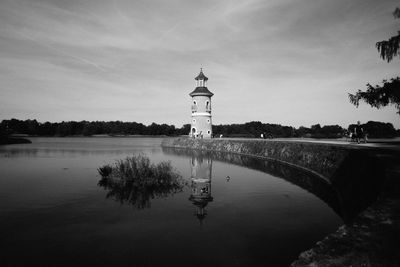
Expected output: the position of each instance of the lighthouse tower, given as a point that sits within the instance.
(201, 125)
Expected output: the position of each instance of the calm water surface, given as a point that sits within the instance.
(52, 211)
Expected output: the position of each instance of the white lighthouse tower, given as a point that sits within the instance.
(201, 125)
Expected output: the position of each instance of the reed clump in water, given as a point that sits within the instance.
(135, 180)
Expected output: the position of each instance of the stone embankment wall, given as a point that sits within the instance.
(355, 173)
(322, 159)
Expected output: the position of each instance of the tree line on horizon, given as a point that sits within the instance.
(249, 129)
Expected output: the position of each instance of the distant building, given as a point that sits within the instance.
(201, 125)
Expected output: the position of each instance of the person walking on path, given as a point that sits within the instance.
(359, 132)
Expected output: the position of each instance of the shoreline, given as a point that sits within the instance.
(373, 142)
(14, 140)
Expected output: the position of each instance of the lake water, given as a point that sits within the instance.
(234, 211)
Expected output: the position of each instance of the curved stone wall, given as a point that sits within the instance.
(354, 172)
(320, 158)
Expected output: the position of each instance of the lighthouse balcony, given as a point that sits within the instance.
(197, 112)
(195, 109)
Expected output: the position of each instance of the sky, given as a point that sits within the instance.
(290, 62)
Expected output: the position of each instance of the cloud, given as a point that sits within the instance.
(289, 62)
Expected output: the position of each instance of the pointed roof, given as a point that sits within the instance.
(201, 76)
(201, 91)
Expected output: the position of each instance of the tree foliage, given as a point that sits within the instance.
(376, 129)
(252, 129)
(389, 92)
(390, 48)
(86, 128)
(379, 96)
(256, 128)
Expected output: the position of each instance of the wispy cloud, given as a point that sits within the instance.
(283, 61)
(59, 51)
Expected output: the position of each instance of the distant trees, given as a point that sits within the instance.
(249, 129)
(252, 129)
(376, 129)
(184, 130)
(327, 131)
(256, 128)
(86, 128)
(389, 92)
(3, 131)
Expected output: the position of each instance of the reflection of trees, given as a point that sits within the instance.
(135, 180)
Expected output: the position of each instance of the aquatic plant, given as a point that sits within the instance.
(135, 180)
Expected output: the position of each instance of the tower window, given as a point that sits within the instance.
(194, 102)
(208, 120)
(208, 132)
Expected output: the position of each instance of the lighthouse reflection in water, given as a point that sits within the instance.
(201, 169)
